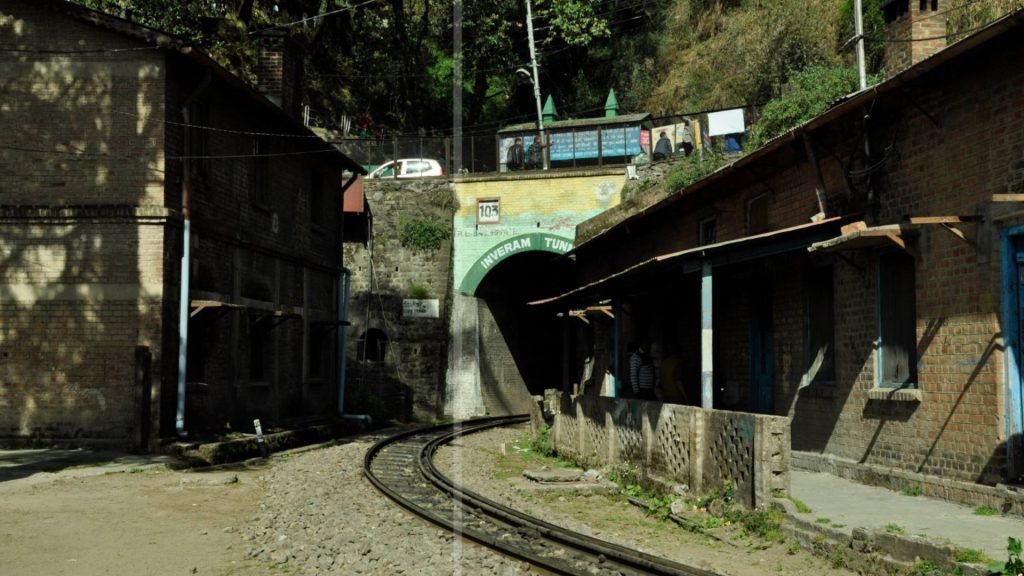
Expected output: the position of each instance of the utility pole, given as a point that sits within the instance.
(858, 22)
(536, 81)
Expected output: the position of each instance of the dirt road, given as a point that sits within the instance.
(140, 521)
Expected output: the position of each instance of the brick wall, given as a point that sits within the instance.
(82, 232)
(410, 382)
(949, 150)
(263, 237)
(914, 32)
(90, 241)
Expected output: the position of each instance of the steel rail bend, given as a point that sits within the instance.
(633, 559)
(646, 563)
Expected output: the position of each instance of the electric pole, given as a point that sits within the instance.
(536, 82)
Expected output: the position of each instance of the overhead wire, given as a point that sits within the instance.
(315, 17)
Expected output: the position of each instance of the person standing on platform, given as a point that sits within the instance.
(642, 373)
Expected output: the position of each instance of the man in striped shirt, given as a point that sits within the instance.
(642, 374)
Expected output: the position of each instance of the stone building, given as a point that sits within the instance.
(874, 299)
(116, 139)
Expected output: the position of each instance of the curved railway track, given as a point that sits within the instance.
(402, 467)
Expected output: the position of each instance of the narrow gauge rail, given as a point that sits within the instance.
(402, 467)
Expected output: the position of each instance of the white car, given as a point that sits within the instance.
(408, 168)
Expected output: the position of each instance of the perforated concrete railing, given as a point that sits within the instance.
(672, 442)
(729, 452)
(684, 444)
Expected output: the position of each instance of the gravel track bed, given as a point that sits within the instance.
(321, 516)
(473, 462)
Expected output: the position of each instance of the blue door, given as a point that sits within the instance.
(1013, 325)
(762, 344)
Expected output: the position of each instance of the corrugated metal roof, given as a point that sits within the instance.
(809, 233)
(578, 123)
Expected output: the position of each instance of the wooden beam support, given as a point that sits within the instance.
(942, 219)
(959, 234)
(1008, 197)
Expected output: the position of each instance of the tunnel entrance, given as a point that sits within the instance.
(519, 346)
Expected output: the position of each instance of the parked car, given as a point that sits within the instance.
(408, 168)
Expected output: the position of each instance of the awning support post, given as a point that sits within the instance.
(706, 338)
(616, 309)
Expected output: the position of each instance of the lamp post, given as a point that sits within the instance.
(535, 80)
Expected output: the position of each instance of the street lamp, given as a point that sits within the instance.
(535, 80)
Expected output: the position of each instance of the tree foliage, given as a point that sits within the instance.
(810, 93)
(389, 65)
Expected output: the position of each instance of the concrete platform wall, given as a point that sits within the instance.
(703, 449)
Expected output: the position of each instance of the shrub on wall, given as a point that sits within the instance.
(421, 233)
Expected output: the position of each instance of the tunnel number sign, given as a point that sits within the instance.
(488, 211)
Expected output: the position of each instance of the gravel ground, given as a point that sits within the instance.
(479, 463)
(319, 515)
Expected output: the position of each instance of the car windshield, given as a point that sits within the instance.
(386, 170)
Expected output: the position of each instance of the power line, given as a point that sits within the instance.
(316, 17)
(11, 50)
(85, 154)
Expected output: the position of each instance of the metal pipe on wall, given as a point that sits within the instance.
(344, 287)
(186, 261)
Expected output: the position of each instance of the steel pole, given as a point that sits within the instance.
(536, 80)
(858, 22)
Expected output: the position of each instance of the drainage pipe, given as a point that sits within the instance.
(186, 258)
(344, 294)
(344, 287)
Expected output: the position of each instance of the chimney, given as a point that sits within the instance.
(279, 70)
(916, 29)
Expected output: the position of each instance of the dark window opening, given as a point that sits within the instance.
(316, 200)
(706, 232)
(820, 286)
(757, 214)
(897, 320)
(260, 172)
(373, 345)
(319, 340)
(198, 139)
(259, 350)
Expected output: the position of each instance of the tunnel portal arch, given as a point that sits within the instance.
(534, 242)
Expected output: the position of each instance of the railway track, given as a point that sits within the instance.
(402, 467)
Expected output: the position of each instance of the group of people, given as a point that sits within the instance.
(650, 379)
(663, 148)
(516, 158)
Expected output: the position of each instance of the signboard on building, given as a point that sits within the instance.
(421, 308)
(604, 142)
(726, 122)
(488, 211)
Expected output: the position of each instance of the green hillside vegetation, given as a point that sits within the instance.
(388, 65)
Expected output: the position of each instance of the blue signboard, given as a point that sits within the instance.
(614, 141)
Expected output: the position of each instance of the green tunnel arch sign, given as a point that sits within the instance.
(536, 242)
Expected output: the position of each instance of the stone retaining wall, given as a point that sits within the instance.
(687, 445)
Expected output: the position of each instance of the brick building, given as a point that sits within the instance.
(875, 300)
(114, 133)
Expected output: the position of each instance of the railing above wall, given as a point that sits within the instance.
(688, 445)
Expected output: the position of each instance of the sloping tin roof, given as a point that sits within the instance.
(579, 123)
